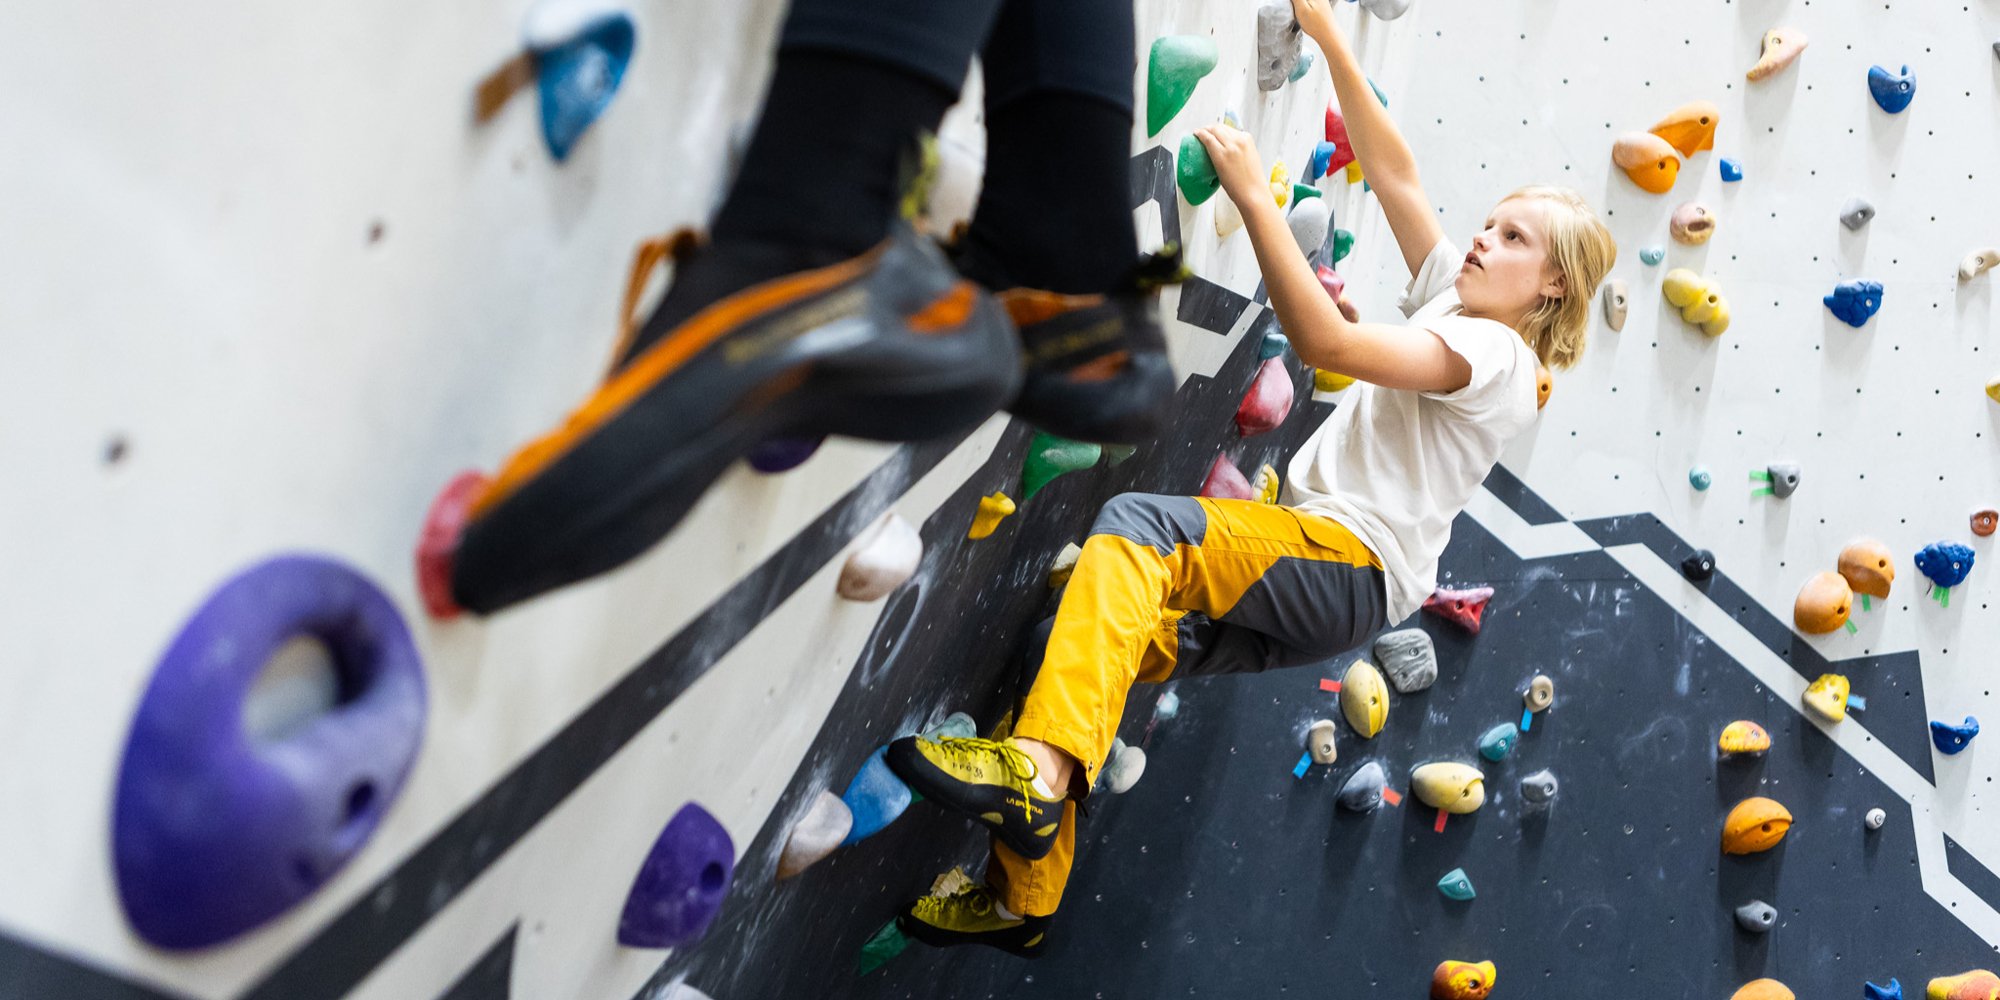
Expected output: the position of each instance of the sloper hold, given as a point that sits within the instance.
(1310, 220)
(1868, 567)
(1756, 916)
(1455, 980)
(1228, 218)
(1856, 213)
(1364, 699)
(1950, 739)
(1689, 128)
(1496, 743)
(1539, 788)
(1653, 255)
(1320, 743)
(1449, 786)
(1893, 91)
(874, 798)
(1757, 824)
(1823, 604)
(1763, 989)
(1699, 566)
(679, 888)
(1978, 262)
(1269, 400)
(1781, 48)
(1946, 564)
(823, 827)
(1225, 481)
(1855, 301)
(577, 76)
(1194, 172)
(1457, 885)
(1123, 770)
(1277, 44)
(1977, 984)
(1648, 160)
(1301, 192)
(1409, 658)
(1050, 456)
(1616, 298)
(884, 556)
(1693, 223)
(1893, 991)
(1826, 697)
(1362, 791)
(1460, 607)
(992, 510)
(1173, 68)
(1326, 381)
(1743, 738)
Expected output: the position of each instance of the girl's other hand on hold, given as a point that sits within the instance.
(1237, 164)
(1315, 17)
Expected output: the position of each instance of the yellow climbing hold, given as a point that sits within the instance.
(1699, 300)
(1354, 172)
(1364, 699)
(1993, 388)
(1281, 183)
(1450, 786)
(1756, 824)
(1827, 697)
(1744, 737)
(992, 510)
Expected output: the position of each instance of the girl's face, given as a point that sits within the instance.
(1507, 271)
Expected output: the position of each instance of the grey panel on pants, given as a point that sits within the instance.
(1147, 519)
(1300, 611)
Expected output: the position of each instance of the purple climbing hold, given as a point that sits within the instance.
(680, 887)
(875, 797)
(216, 829)
(781, 454)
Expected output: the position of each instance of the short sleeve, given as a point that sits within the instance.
(1437, 276)
(1502, 365)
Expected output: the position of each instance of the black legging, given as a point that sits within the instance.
(1079, 46)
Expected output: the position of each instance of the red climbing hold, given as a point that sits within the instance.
(1269, 400)
(1460, 607)
(438, 545)
(1225, 481)
(1336, 133)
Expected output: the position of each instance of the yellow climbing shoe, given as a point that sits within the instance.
(990, 780)
(969, 916)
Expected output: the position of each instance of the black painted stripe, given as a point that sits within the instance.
(1519, 498)
(31, 973)
(490, 978)
(1967, 869)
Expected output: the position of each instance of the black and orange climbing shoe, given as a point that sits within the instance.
(1097, 366)
(990, 780)
(970, 916)
(893, 345)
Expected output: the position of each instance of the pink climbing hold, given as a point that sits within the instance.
(1336, 133)
(1269, 400)
(1336, 289)
(437, 547)
(1460, 607)
(1225, 482)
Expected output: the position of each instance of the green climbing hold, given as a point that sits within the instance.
(1116, 453)
(1301, 192)
(1050, 456)
(885, 945)
(1379, 95)
(1195, 172)
(1177, 63)
(1343, 244)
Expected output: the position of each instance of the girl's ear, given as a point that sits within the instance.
(1555, 287)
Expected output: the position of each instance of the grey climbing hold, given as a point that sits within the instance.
(1168, 705)
(1784, 478)
(1875, 818)
(1387, 10)
(1319, 742)
(1456, 885)
(815, 835)
(1310, 221)
(1362, 791)
(1539, 787)
(1123, 768)
(1756, 916)
(1277, 44)
(1409, 658)
(1856, 213)
(1615, 298)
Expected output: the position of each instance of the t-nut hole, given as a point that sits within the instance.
(712, 878)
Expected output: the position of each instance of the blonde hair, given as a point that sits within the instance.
(1582, 251)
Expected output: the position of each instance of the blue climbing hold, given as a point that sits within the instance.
(1945, 563)
(1321, 161)
(1498, 741)
(1652, 255)
(680, 886)
(1700, 478)
(578, 75)
(1893, 91)
(1855, 301)
(875, 797)
(1273, 345)
(1732, 170)
(1893, 991)
(1950, 739)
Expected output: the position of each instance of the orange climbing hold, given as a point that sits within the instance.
(1269, 400)
(1978, 984)
(1823, 604)
(1868, 567)
(1756, 824)
(1545, 384)
(1454, 980)
(1460, 607)
(1763, 989)
(1689, 128)
(1648, 159)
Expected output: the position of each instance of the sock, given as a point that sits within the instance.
(1056, 210)
(1042, 788)
(1000, 909)
(819, 181)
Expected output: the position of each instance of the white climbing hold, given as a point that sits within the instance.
(1615, 298)
(1319, 742)
(1122, 768)
(1310, 220)
(1228, 218)
(1064, 565)
(884, 556)
(825, 824)
(1387, 10)
(1875, 818)
(1978, 262)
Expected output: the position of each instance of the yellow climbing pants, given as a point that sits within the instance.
(1175, 587)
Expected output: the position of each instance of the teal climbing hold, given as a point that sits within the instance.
(577, 77)
(1176, 64)
(1343, 244)
(1379, 95)
(1306, 60)
(1273, 345)
(1652, 255)
(1050, 456)
(1498, 742)
(1456, 885)
(1116, 453)
(886, 944)
(1195, 172)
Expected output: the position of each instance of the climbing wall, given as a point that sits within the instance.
(368, 291)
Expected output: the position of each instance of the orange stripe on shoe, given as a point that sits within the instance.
(947, 311)
(1100, 369)
(1028, 306)
(659, 361)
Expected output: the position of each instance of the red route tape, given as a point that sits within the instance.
(1329, 684)
(1440, 823)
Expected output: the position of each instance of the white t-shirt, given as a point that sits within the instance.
(1395, 466)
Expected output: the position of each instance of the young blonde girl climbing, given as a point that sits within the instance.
(1179, 586)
